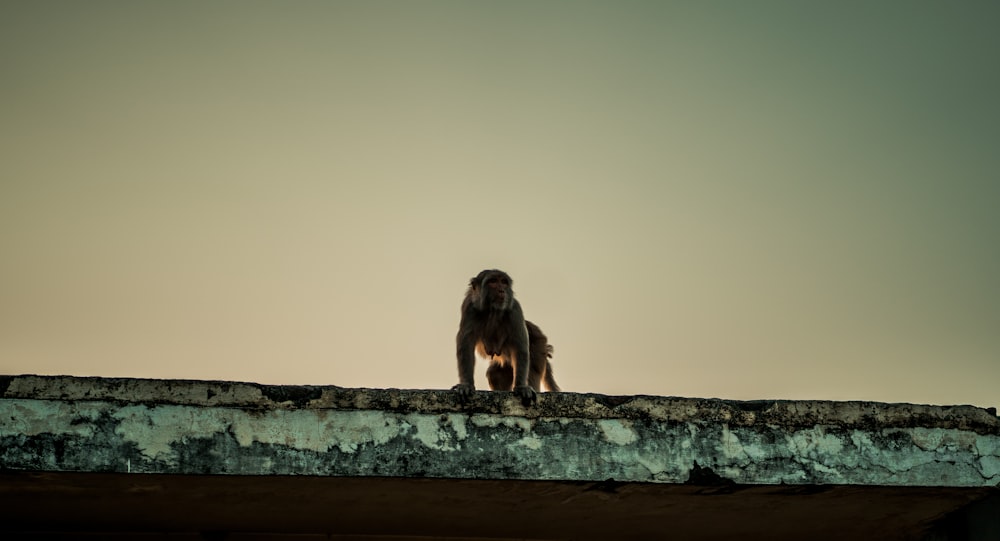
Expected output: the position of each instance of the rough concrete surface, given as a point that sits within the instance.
(196, 427)
(654, 466)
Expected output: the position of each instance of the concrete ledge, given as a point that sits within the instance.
(132, 458)
(199, 427)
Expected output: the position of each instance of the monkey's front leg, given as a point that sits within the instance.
(521, 387)
(466, 369)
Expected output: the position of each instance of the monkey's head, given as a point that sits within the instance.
(490, 290)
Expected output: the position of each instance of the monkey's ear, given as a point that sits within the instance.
(474, 282)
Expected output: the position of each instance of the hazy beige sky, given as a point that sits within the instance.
(717, 199)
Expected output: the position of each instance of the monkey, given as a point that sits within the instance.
(493, 326)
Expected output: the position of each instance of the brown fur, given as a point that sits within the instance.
(493, 326)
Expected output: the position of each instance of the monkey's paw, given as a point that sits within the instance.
(528, 395)
(464, 391)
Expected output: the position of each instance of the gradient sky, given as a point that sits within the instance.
(745, 200)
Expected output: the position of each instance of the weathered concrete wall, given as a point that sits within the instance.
(197, 427)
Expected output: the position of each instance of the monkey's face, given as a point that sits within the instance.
(493, 288)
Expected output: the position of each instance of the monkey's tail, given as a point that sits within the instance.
(540, 342)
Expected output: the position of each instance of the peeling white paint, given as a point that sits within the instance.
(458, 423)
(154, 434)
(829, 471)
(154, 430)
(483, 420)
(32, 417)
(435, 431)
(815, 443)
(927, 440)
(532, 442)
(731, 447)
(618, 431)
(756, 452)
(654, 464)
(988, 445)
(937, 439)
(990, 467)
